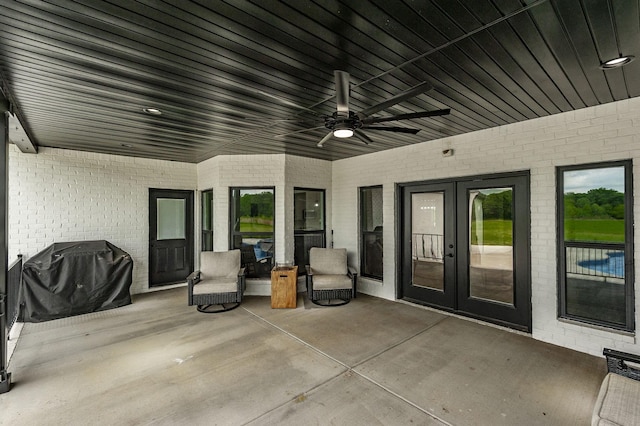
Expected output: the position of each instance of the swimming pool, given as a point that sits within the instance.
(612, 265)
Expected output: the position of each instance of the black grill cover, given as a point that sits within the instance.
(74, 278)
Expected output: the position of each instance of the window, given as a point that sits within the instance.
(371, 232)
(251, 214)
(207, 220)
(595, 244)
(309, 223)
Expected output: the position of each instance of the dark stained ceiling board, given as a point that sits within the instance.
(234, 76)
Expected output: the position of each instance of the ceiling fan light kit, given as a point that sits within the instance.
(342, 133)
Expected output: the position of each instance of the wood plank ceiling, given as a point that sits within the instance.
(233, 76)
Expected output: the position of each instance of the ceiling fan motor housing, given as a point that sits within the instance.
(338, 121)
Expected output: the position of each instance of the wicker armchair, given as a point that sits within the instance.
(330, 281)
(617, 402)
(219, 284)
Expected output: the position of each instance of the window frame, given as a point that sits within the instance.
(232, 211)
(561, 246)
(362, 233)
(303, 233)
(206, 232)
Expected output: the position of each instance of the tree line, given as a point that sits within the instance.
(600, 203)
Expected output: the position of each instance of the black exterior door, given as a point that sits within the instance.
(465, 247)
(170, 236)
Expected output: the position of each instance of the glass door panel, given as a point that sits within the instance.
(427, 232)
(428, 264)
(491, 244)
(171, 218)
(493, 266)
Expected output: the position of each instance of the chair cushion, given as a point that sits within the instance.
(327, 261)
(216, 286)
(218, 264)
(331, 282)
(617, 402)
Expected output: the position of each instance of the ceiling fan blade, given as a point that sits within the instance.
(342, 92)
(407, 94)
(323, 140)
(299, 131)
(394, 129)
(364, 138)
(409, 116)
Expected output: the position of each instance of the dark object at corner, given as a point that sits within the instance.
(74, 278)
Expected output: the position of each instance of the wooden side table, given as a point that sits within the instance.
(284, 286)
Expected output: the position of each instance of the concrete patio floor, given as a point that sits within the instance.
(370, 362)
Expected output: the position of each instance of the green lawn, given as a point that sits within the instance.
(256, 224)
(255, 227)
(495, 232)
(609, 230)
(498, 232)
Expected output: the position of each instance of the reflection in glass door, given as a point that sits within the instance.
(493, 269)
(427, 236)
(491, 245)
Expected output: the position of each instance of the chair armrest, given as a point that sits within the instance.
(242, 272)
(309, 270)
(352, 271)
(193, 277)
(622, 363)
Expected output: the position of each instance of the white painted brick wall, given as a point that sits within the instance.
(62, 195)
(603, 133)
(280, 171)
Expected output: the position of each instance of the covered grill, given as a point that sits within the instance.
(73, 278)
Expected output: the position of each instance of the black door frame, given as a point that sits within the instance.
(188, 195)
(522, 256)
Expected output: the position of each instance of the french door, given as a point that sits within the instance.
(465, 247)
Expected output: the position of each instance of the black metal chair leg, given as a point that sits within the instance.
(206, 309)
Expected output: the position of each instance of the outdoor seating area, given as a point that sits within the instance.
(374, 361)
(399, 212)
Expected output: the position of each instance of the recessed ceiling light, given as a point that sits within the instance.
(152, 111)
(617, 62)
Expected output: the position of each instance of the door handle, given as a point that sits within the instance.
(449, 254)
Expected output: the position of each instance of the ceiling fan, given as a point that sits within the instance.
(345, 123)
